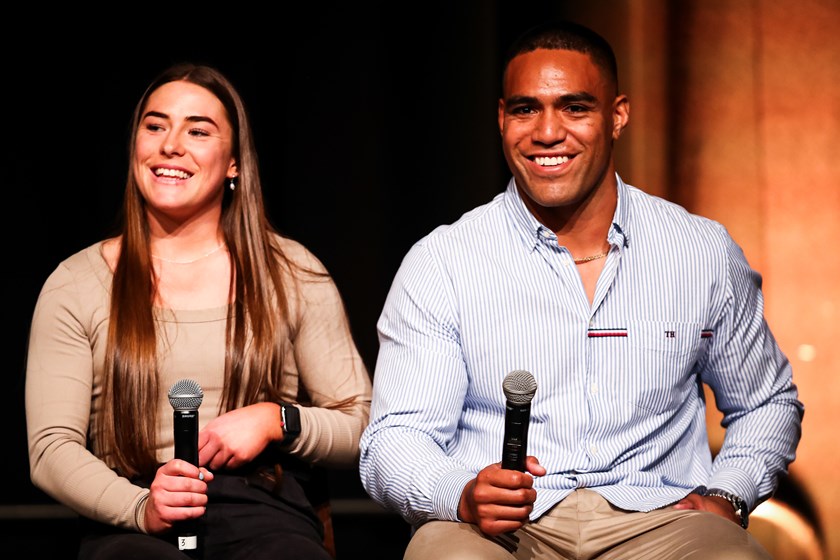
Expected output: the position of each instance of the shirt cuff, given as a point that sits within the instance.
(737, 482)
(448, 494)
(140, 512)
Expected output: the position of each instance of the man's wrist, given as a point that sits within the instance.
(738, 504)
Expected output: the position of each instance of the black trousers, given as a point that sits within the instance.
(247, 517)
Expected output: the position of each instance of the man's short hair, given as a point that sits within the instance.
(566, 35)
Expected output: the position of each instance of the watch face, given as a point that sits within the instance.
(291, 421)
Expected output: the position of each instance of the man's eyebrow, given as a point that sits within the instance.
(580, 96)
(520, 100)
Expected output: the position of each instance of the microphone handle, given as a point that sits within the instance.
(186, 448)
(517, 417)
(186, 435)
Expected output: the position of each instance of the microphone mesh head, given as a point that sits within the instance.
(185, 394)
(519, 386)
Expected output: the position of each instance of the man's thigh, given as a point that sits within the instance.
(450, 540)
(586, 526)
(679, 534)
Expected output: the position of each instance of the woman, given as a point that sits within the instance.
(197, 286)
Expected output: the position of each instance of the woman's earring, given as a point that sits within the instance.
(232, 185)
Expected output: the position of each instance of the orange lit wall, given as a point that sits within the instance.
(735, 113)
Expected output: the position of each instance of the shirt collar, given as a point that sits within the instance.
(621, 220)
(532, 231)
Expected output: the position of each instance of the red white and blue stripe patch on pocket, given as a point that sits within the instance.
(604, 333)
(622, 333)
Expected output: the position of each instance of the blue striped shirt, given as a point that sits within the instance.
(619, 406)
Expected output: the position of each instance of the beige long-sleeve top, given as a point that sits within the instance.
(64, 379)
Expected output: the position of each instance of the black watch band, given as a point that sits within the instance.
(290, 416)
(740, 505)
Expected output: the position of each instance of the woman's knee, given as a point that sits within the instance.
(128, 546)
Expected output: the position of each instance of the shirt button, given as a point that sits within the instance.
(593, 388)
(593, 449)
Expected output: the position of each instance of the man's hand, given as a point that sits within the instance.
(500, 500)
(713, 504)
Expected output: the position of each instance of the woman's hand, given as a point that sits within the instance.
(238, 436)
(178, 492)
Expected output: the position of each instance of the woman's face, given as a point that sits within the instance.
(183, 155)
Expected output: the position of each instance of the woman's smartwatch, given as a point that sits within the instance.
(740, 506)
(290, 416)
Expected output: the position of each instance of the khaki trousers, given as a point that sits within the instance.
(584, 526)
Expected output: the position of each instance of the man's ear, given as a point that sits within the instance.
(621, 115)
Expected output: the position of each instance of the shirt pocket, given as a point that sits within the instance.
(660, 363)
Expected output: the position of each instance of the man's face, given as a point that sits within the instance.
(559, 116)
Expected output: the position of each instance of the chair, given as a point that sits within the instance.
(317, 490)
(785, 532)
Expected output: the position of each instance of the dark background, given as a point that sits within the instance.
(373, 123)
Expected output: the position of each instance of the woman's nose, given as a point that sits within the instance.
(171, 145)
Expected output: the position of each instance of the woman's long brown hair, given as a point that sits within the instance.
(131, 390)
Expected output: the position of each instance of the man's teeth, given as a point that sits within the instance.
(174, 173)
(547, 161)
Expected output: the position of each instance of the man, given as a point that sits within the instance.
(621, 305)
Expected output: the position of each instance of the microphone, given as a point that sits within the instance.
(519, 387)
(185, 396)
